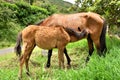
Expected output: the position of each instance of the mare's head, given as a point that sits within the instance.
(76, 35)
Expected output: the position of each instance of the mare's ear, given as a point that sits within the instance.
(79, 29)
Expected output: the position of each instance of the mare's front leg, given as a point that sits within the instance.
(91, 48)
(50, 54)
(68, 58)
(49, 58)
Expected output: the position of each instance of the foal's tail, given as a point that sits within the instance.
(18, 45)
(103, 37)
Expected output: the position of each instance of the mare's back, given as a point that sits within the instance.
(82, 20)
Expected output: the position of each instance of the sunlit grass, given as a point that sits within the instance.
(98, 68)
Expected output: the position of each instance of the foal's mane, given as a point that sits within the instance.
(40, 22)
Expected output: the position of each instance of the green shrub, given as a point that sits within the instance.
(28, 14)
(15, 16)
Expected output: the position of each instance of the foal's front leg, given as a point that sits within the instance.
(61, 57)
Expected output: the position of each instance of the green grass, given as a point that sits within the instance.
(5, 44)
(98, 68)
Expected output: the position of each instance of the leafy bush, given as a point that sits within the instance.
(107, 8)
(27, 14)
(5, 18)
(15, 16)
(8, 26)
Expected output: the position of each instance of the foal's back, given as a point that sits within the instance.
(46, 37)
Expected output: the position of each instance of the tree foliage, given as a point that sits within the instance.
(8, 25)
(108, 8)
(14, 16)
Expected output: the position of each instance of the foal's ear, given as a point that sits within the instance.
(79, 29)
(86, 16)
(59, 26)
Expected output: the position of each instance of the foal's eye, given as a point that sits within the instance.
(79, 29)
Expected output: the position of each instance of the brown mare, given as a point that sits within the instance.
(45, 38)
(92, 22)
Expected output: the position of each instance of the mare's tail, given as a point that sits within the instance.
(103, 37)
(18, 45)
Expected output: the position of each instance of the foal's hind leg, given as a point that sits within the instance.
(26, 62)
(91, 48)
(23, 58)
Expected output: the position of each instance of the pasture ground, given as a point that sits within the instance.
(98, 68)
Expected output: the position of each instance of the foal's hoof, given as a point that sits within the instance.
(19, 78)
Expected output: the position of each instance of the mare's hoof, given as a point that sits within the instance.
(68, 66)
(47, 66)
(28, 73)
(87, 59)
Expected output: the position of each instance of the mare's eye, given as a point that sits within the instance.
(79, 29)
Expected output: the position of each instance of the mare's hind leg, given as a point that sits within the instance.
(91, 48)
(26, 62)
(96, 39)
(97, 45)
(49, 58)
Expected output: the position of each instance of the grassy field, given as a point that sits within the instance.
(98, 68)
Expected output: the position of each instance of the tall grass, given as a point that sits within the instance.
(98, 68)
